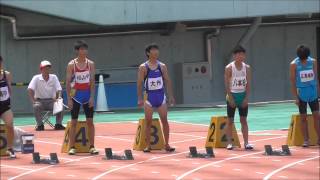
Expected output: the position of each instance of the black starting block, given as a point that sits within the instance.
(284, 152)
(37, 160)
(194, 153)
(110, 156)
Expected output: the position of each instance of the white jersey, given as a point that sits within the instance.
(238, 82)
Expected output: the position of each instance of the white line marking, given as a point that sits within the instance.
(71, 175)
(283, 177)
(46, 167)
(287, 166)
(155, 172)
(155, 158)
(235, 157)
(15, 167)
(212, 163)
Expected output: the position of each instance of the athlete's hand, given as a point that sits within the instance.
(70, 103)
(140, 102)
(91, 102)
(245, 103)
(172, 101)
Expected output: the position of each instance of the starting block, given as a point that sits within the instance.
(269, 152)
(194, 153)
(37, 160)
(110, 156)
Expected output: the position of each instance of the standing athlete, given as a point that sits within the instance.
(155, 76)
(237, 83)
(81, 71)
(5, 108)
(305, 89)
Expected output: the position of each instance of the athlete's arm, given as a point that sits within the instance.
(68, 80)
(92, 83)
(9, 81)
(227, 77)
(168, 83)
(248, 85)
(141, 75)
(315, 69)
(293, 80)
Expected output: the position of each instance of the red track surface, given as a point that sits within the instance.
(236, 164)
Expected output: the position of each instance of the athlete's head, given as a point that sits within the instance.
(45, 67)
(152, 51)
(81, 48)
(303, 52)
(239, 54)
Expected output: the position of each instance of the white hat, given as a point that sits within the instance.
(44, 64)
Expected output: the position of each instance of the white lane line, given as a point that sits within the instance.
(15, 167)
(283, 177)
(46, 167)
(287, 166)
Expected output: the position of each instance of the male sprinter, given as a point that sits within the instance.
(81, 71)
(237, 82)
(155, 76)
(5, 110)
(305, 89)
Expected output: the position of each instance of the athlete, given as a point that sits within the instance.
(237, 83)
(154, 75)
(80, 86)
(305, 89)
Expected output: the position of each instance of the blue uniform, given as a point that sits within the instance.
(306, 82)
(154, 87)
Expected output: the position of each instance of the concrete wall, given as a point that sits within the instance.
(115, 12)
(269, 53)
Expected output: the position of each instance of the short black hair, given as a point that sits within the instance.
(149, 47)
(239, 49)
(80, 44)
(303, 51)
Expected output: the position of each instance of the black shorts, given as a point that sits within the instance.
(76, 108)
(4, 108)
(243, 112)
(314, 106)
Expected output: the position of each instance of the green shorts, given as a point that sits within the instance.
(238, 98)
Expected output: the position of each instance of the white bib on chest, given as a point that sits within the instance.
(82, 77)
(306, 75)
(155, 83)
(4, 93)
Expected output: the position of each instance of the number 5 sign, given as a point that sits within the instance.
(156, 140)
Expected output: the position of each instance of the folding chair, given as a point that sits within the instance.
(45, 118)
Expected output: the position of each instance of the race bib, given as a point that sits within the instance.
(82, 77)
(4, 93)
(239, 83)
(155, 83)
(306, 75)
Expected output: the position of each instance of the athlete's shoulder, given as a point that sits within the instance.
(294, 61)
(162, 64)
(71, 62)
(228, 66)
(90, 61)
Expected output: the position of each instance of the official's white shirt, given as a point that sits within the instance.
(45, 89)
